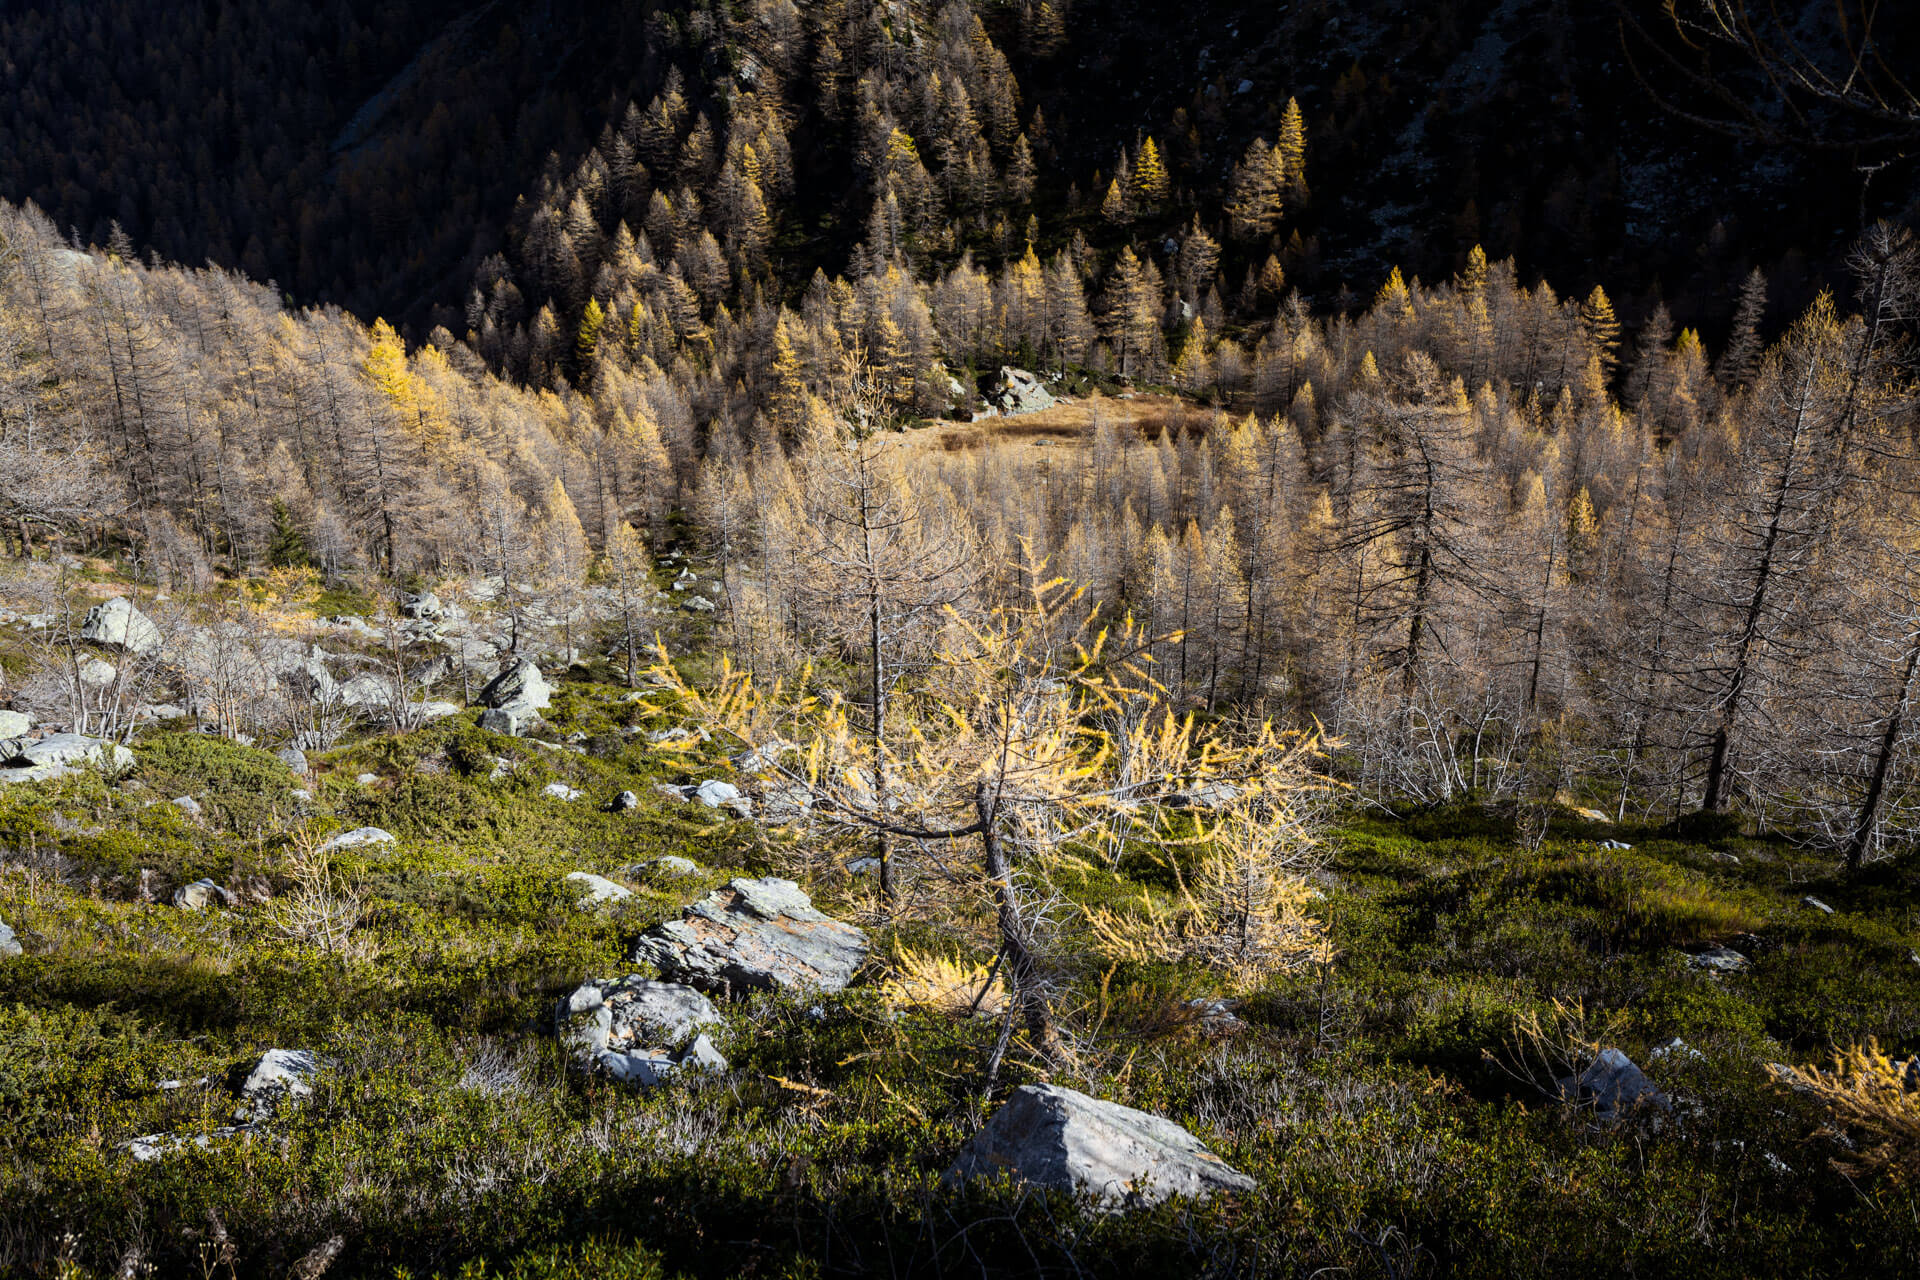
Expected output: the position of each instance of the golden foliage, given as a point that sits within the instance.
(1876, 1099)
(939, 984)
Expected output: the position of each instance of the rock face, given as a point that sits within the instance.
(9, 941)
(355, 839)
(118, 624)
(1017, 391)
(1064, 1140)
(639, 1031)
(755, 934)
(1615, 1088)
(595, 890)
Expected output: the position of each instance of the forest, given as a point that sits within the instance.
(1201, 646)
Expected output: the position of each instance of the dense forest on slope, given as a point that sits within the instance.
(369, 156)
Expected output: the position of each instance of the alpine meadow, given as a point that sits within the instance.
(683, 639)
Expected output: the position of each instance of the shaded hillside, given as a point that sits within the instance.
(372, 156)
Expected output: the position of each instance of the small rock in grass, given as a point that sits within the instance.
(367, 779)
(358, 838)
(598, 889)
(9, 940)
(200, 895)
(1720, 960)
(1615, 1087)
(187, 805)
(623, 802)
(561, 791)
(1816, 904)
(1063, 1140)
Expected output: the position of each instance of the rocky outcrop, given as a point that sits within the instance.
(1063, 1140)
(1017, 391)
(9, 940)
(117, 624)
(639, 1031)
(14, 724)
(755, 934)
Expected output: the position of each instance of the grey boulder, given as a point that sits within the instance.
(118, 624)
(639, 1031)
(755, 934)
(9, 940)
(1063, 1140)
(1615, 1088)
(295, 759)
(13, 724)
(518, 684)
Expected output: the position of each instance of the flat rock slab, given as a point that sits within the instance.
(755, 934)
(1064, 1140)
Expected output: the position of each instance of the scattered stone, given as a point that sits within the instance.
(699, 604)
(598, 889)
(755, 934)
(366, 779)
(639, 1031)
(1591, 815)
(623, 803)
(295, 759)
(716, 794)
(301, 795)
(200, 895)
(13, 724)
(9, 940)
(119, 625)
(1615, 844)
(1062, 1140)
(358, 838)
(1721, 855)
(431, 711)
(1614, 1087)
(97, 674)
(1208, 795)
(673, 867)
(863, 866)
(1674, 1048)
(1217, 1013)
(764, 757)
(154, 1146)
(680, 734)
(561, 791)
(1720, 960)
(1816, 904)
(187, 805)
